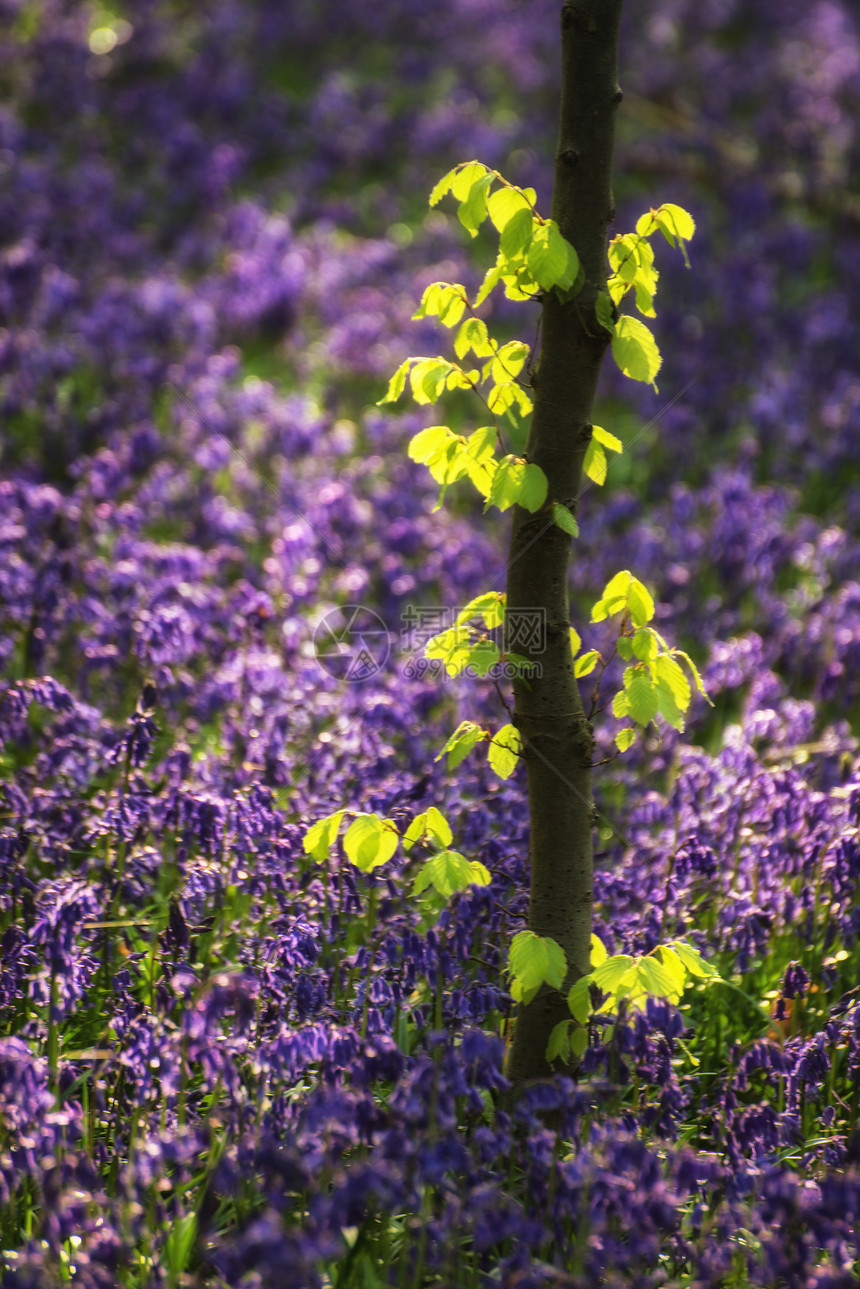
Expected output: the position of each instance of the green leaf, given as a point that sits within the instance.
(504, 751)
(467, 175)
(492, 278)
(673, 965)
(461, 742)
(551, 259)
(517, 481)
(635, 350)
(680, 221)
(598, 951)
(694, 672)
(443, 187)
(603, 311)
(321, 836)
(575, 641)
(483, 656)
(535, 960)
(621, 704)
(644, 644)
(694, 962)
(473, 209)
(578, 1044)
(397, 384)
(585, 664)
(558, 1047)
(579, 1000)
(625, 648)
(614, 597)
(610, 973)
(447, 872)
(473, 335)
(642, 702)
(669, 709)
(655, 979)
(453, 647)
(443, 300)
(481, 875)
(624, 591)
(508, 362)
(673, 677)
(480, 459)
(509, 395)
(625, 738)
(605, 439)
(415, 831)
(370, 841)
(534, 488)
(438, 826)
(490, 606)
(428, 378)
(564, 519)
(443, 452)
(594, 463)
(640, 603)
(623, 257)
(516, 234)
(508, 203)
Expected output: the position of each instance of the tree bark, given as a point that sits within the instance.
(557, 735)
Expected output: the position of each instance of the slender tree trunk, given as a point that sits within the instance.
(557, 736)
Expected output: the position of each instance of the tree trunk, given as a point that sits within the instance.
(557, 736)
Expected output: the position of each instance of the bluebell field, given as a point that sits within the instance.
(222, 1062)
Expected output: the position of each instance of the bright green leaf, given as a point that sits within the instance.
(642, 702)
(490, 606)
(579, 1000)
(473, 335)
(443, 186)
(563, 519)
(449, 871)
(483, 656)
(605, 439)
(415, 831)
(586, 664)
(321, 836)
(473, 210)
(644, 644)
(697, 679)
(655, 979)
(370, 841)
(594, 462)
(397, 384)
(621, 704)
(610, 973)
(461, 742)
(575, 641)
(466, 176)
(517, 481)
(693, 961)
(551, 260)
(671, 675)
(438, 826)
(535, 960)
(598, 951)
(635, 350)
(625, 738)
(504, 751)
